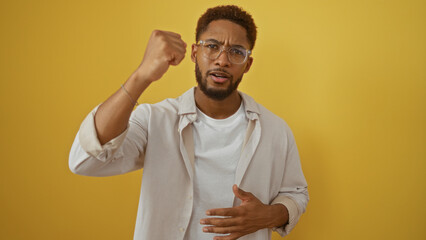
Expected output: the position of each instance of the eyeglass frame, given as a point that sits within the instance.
(222, 48)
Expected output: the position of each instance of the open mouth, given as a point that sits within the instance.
(219, 77)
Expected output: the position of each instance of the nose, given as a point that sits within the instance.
(222, 60)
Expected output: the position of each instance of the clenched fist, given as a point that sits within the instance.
(164, 49)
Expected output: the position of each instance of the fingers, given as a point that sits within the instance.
(239, 193)
(236, 221)
(169, 39)
(222, 230)
(226, 212)
(177, 40)
(174, 48)
(236, 191)
(177, 35)
(164, 49)
(177, 53)
(179, 46)
(219, 222)
(234, 232)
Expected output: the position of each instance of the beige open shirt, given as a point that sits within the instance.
(159, 139)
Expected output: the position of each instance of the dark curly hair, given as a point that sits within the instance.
(228, 12)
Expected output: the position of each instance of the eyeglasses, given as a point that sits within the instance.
(212, 50)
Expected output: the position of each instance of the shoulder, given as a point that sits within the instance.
(169, 107)
(264, 114)
(269, 121)
(272, 122)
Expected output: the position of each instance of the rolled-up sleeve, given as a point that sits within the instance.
(293, 191)
(88, 157)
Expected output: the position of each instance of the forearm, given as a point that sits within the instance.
(163, 49)
(112, 116)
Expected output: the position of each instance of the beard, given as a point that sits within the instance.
(215, 94)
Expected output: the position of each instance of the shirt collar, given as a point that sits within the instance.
(187, 105)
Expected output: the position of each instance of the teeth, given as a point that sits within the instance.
(217, 75)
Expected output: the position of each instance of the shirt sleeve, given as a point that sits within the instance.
(293, 191)
(293, 214)
(89, 141)
(88, 157)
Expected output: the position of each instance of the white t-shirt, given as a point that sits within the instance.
(217, 148)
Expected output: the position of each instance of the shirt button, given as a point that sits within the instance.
(182, 229)
(190, 197)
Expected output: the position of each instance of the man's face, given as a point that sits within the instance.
(219, 78)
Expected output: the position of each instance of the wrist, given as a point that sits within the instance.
(279, 215)
(138, 81)
(140, 78)
(134, 87)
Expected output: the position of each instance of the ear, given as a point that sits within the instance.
(194, 50)
(249, 62)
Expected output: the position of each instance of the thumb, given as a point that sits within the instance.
(239, 193)
(173, 61)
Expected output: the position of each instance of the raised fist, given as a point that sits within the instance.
(163, 49)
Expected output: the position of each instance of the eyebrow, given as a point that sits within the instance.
(223, 43)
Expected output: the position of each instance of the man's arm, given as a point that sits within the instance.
(281, 215)
(106, 134)
(163, 49)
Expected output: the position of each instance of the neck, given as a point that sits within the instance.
(218, 109)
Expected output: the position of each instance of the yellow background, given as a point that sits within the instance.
(349, 77)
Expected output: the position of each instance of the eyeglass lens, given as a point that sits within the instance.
(236, 55)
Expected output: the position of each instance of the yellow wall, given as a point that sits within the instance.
(348, 76)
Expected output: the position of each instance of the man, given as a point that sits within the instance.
(200, 150)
